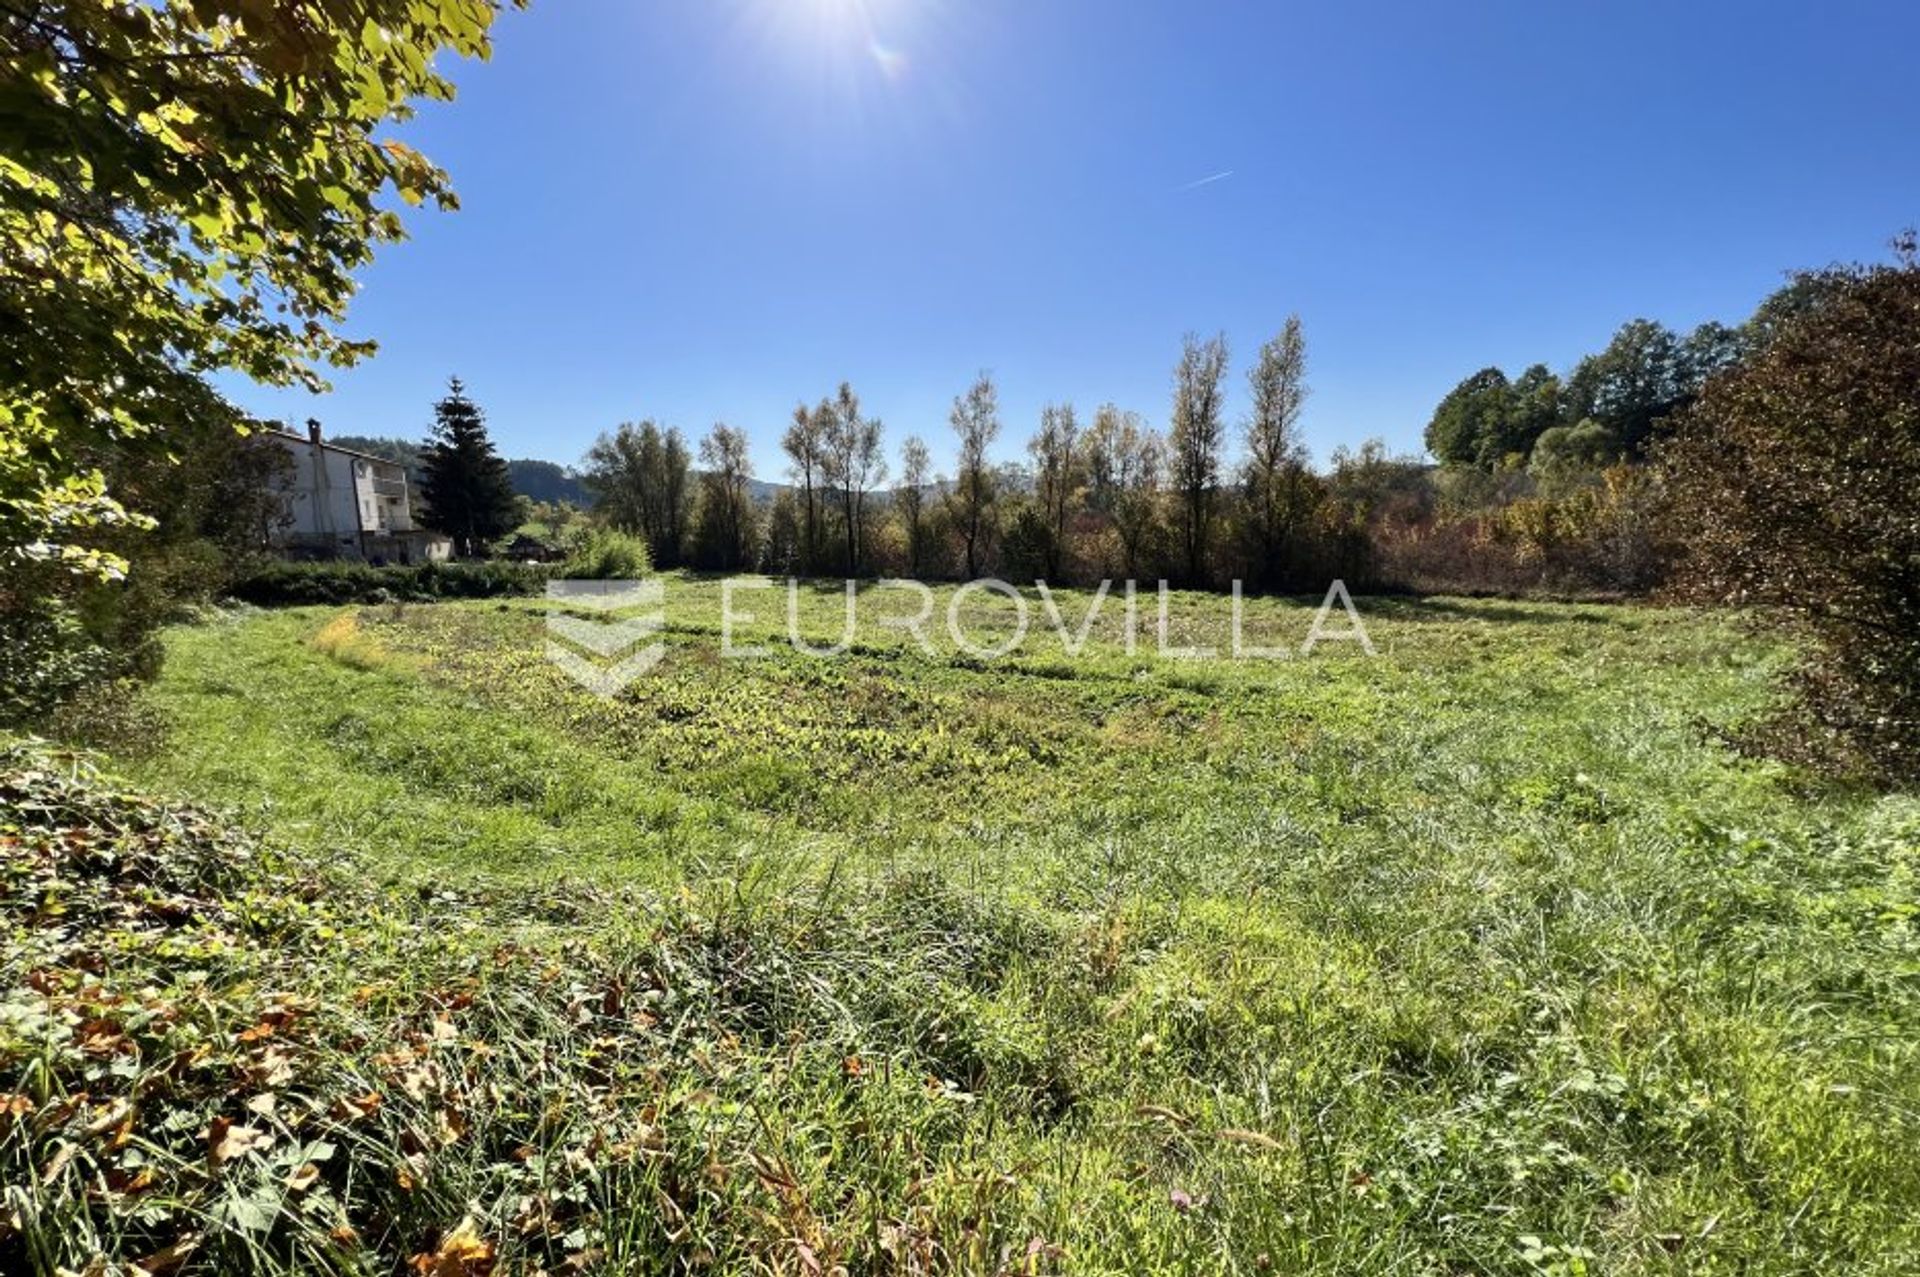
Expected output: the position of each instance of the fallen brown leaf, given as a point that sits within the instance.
(226, 1141)
(462, 1253)
(168, 1258)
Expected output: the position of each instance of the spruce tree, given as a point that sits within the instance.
(464, 483)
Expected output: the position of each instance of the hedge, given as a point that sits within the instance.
(293, 584)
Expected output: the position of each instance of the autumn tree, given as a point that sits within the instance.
(724, 533)
(639, 478)
(851, 463)
(464, 486)
(1194, 443)
(976, 420)
(1055, 450)
(1274, 478)
(1134, 458)
(1794, 483)
(910, 500)
(804, 445)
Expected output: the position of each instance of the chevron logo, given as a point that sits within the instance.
(595, 630)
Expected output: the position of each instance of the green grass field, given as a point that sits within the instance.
(1481, 954)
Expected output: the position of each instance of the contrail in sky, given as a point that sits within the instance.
(1221, 176)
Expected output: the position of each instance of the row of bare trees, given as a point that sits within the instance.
(1091, 498)
(1110, 495)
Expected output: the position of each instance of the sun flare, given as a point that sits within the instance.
(871, 33)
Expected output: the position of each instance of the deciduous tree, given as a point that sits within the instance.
(1194, 443)
(1138, 459)
(1056, 476)
(185, 189)
(1794, 482)
(976, 419)
(1473, 412)
(638, 476)
(803, 443)
(1639, 379)
(1533, 408)
(851, 463)
(1275, 477)
(910, 500)
(726, 523)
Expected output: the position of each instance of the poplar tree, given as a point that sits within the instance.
(1275, 476)
(976, 419)
(1194, 443)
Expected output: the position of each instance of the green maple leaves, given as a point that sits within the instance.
(188, 189)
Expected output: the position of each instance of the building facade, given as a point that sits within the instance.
(342, 504)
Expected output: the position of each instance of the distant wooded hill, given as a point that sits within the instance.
(547, 481)
(532, 478)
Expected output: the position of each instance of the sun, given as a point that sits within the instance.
(869, 33)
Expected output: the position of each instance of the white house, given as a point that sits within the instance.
(346, 504)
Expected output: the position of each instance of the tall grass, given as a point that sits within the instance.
(1482, 956)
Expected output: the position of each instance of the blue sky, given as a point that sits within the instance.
(701, 210)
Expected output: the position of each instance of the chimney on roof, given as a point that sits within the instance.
(313, 430)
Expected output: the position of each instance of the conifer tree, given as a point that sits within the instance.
(467, 492)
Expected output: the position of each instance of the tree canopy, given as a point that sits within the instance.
(1629, 391)
(1794, 483)
(188, 188)
(640, 478)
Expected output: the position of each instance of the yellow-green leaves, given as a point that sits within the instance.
(166, 213)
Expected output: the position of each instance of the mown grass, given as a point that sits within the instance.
(1482, 955)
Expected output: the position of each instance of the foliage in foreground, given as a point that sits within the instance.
(221, 1059)
(187, 188)
(1795, 484)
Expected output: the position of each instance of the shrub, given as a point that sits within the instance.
(47, 653)
(63, 635)
(290, 584)
(1795, 484)
(606, 555)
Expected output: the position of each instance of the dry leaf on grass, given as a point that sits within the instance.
(226, 1141)
(462, 1253)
